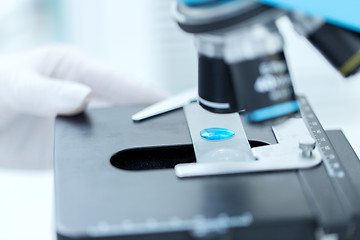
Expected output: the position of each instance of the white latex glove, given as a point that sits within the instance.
(37, 85)
(60, 80)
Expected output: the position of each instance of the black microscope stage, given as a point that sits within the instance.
(115, 179)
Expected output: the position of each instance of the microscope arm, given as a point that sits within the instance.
(341, 13)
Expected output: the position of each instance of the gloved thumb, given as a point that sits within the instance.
(31, 93)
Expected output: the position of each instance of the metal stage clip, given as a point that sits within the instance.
(296, 149)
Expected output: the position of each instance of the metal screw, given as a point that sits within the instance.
(307, 145)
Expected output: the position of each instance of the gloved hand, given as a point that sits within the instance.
(37, 85)
(60, 80)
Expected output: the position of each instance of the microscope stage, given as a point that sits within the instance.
(115, 179)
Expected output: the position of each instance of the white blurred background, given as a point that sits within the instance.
(138, 37)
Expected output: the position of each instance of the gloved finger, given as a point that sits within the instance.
(68, 63)
(29, 92)
(117, 87)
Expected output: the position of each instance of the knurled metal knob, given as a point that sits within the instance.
(307, 145)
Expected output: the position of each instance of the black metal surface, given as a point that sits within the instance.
(338, 45)
(351, 165)
(215, 85)
(261, 83)
(333, 190)
(95, 200)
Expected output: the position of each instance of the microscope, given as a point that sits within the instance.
(242, 65)
(248, 160)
